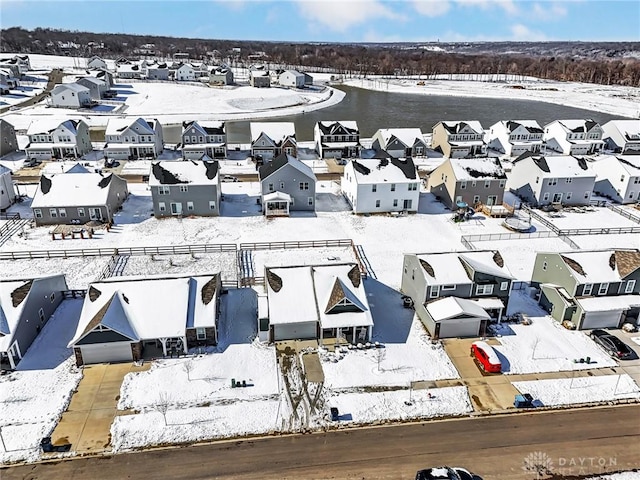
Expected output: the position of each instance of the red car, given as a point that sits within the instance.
(486, 356)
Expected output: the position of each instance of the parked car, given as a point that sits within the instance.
(229, 178)
(612, 344)
(446, 473)
(486, 357)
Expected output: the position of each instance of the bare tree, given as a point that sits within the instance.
(188, 368)
(380, 355)
(162, 405)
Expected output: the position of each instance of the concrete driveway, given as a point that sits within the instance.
(87, 422)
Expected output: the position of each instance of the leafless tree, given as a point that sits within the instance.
(188, 368)
(162, 405)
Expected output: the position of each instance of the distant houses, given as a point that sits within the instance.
(400, 142)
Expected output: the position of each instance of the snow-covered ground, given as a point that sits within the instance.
(618, 476)
(33, 398)
(568, 391)
(595, 217)
(546, 346)
(31, 85)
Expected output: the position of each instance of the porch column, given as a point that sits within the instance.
(370, 330)
(11, 360)
(184, 344)
(17, 347)
(500, 314)
(354, 334)
(164, 346)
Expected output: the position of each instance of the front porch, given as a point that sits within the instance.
(345, 335)
(276, 204)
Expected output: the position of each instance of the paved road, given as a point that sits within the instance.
(573, 441)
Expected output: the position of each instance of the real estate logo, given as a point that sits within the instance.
(538, 463)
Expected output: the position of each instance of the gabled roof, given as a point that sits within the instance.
(206, 127)
(191, 172)
(384, 168)
(603, 266)
(628, 129)
(477, 168)
(408, 136)
(115, 126)
(454, 307)
(576, 125)
(45, 126)
(531, 126)
(605, 165)
(456, 127)
(557, 166)
(338, 127)
(449, 268)
(276, 131)
(72, 190)
(74, 87)
(281, 161)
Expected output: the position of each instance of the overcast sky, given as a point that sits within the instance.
(339, 21)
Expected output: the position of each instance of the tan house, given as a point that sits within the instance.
(459, 139)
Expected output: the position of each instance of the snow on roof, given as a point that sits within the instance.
(451, 307)
(295, 301)
(53, 168)
(4, 170)
(448, 269)
(559, 166)
(281, 161)
(72, 190)
(276, 131)
(488, 303)
(603, 266)
(455, 126)
(408, 136)
(175, 304)
(381, 170)
(327, 126)
(485, 262)
(277, 196)
(46, 125)
(185, 172)
(629, 129)
(115, 126)
(477, 168)
(489, 350)
(612, 303)
(577, 125)
(630, 163)
(74, 87)
(293, 72)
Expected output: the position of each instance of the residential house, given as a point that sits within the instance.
(18, 64)
(325, 302)
(7, 192)
(512, 138)
(400, 142)
(259, 79)
(70, 95)
(618, 177)
(337, 139)
(129, 139)
(463, 279)
(122, 319)
(221, 76)
(8, 139)
(573, 137)
(97, 62)
(155, 70)
(287, 184)
(49, 138)
(201, 138)
(185, 73)
(25, 307)
(459, 139)
(8, 81)
(308, 79)
(105, 75)
(381, 184)
(542, 180)
(591, 289)
(78, 197)
(472, 181)
(270, 139)
(622, 136)
(128, 71)
(291, 78)
(185, 188)
(12, 70)
(96, 87)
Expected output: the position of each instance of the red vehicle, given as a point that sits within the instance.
(486, 357)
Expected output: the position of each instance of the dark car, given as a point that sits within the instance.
(446, 473)
(612, 344)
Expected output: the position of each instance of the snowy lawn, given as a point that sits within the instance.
(600, 217)
(546, 346)
(34, 397)
(596, 242)
(79, 271)
(568, 391)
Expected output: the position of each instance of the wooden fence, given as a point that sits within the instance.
(345, 242)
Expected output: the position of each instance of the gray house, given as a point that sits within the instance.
(8, 139)
(287, 185)
(25, 307)
(221, 76)
(7, 191)
(78, 197)
(203, 138)
(478, 276)
(96, 86)
(185, 188)
(400, 142)
(591, 289)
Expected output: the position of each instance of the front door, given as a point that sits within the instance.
(176, 208)
(407, 204)
(95, 214)
(557, 197)
(491, 200)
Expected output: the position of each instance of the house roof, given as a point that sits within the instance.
(454, 307)
(385, 169)
(330, 127)
(184, 172)
(557, 166)
(603, 266)
(449, 268)
(276, 196)
(149, 308)
(532, 126)
(281, 161)
(477, 168)
(115, 126)
(209, 127)
(276, 131)
(408, 136)
(94, 80)
(72, 190)
(45, 126)
(457, 126)
(576, 125)
(629, 163)
(629, 129)
(74, 87)
(293, 72)
(4, 170)
(609, 303)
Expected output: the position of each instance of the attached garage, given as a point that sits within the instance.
(294, 331)
(451, 317)
(604, 312)
(267, 154)
(106, 352)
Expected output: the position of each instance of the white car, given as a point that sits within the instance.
(229, 178)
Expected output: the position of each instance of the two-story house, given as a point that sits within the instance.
(622, 136)
(129, 139)
(185, 72)
(96, 62)
(400, 142)
(591, 289)
(270, 139)
(542, 180)
(200, 138)
(459, 139)
(155, 70)
(618, 177)
(287, 184)
(335, 139)
(381, 184)
(291, 78)
(515, 137)
(472, 181)
(96, 86)
(259, 79)
(456, 294)
(221, 75)
(50, 138)
(573, 137)
(185, 188)
(8, 139)
(70, 95)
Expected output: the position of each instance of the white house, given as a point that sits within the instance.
(70, 95)
(128, 70)
(7, 192)
(400, 142)
(622, 136)
(97, 62)
(515, 137)
(49, 138)
(317, 302)
(382, 184)
(618, 177)
(96, 86)
(543, 180)
(129, 139)
(291, 78)
(337, 139)
(185, 72)
(573, 137)
(270, 139)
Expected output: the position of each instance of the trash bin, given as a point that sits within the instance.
(233, 383)
(335, 415)
(244, 383)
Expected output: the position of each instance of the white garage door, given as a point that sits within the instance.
(295, 331)
(266, 154)
(107, 352)
(467, 327)
(610, 319)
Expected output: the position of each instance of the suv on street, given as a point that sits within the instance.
(612, 344)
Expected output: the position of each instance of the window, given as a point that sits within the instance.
(81, 212)
(628, 288)
(212, 205)
(377, 203)
(52, 297)
(413, 187)
(553, 181)
(487, 183)
(587, 194)
(603, 289)
(310, 201)
(569, 180)
(463, 185)
(434, 292)
(281, 185)
(53, 213)
(162, 207)
(587, 289)
(545, 197)
(190, 206)
(374, 188)
(62, 212)
(37, 213)
(41, 315)
(484, 289)
(201, 333)
(163, 190)
(448, 287)
(568, 195)
(502, 183)
(476, 199)
(393, 187)
(545, 265)
(504, 286)
(193, 139)
(184, 188)
(622, 178)
(537, 179)
(304, 185)
(474, 183)
(271, 187)
(186, 139)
